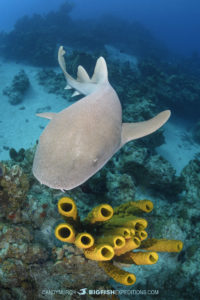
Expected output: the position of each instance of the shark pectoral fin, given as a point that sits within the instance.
(133, 131)
(68, 87)
(46, 115)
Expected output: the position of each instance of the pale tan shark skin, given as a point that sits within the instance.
(79, 140)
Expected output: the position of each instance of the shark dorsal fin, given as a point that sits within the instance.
(100, 71)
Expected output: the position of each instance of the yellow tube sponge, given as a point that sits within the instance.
(133, 207)
(117, 274)
(67, 208)
(142, 234)
(162, 245)
(118, 235)
(131, 244)
(116, 241)
(138, 258)
(143, 205)
(132, 232)
(100, 213)
(65, 233)
(84, 240)
(100, 252)
(136, 223)
(124, 231)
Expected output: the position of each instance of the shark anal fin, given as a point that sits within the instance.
(133, 131)
(46, 115)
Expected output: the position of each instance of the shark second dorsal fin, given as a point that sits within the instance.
(46, 115)
(82, 75)
(133, 131)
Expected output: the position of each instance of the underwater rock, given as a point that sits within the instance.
(190, 176)
(196, 132)
(69, 261)
(14, 186)
(17, 156)
(167, 84)
(1, 170)
(120, 187)
(152, 171)
(161, 175)
(12, 273)
(148, 68)
(52, 82)
(26, 163)
(139, 110)
(17, 243)
(39, 35)
(18, 88)
(17, 254)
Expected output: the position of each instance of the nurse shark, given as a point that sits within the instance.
(79, 140)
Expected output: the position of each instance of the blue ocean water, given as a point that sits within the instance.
(175, 22)
(152, 53)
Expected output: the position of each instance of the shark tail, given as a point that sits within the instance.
(84, 84)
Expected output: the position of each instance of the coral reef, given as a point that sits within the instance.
(17, 156)
(154, 85)
(165, 83)
(196, 132)
(52, 82)
(39, 35)
(62, 266)
(190, 175)
(148, 169)
(120, 186)
(134, 167)
(18, 88)
(28, 269)
(106, 235)
(14, 186)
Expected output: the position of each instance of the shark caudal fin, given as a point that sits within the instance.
(83, 84)
(133, 131)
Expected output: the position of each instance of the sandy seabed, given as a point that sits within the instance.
(19, 125)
